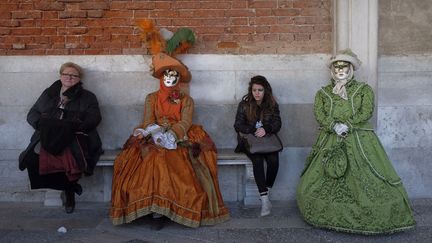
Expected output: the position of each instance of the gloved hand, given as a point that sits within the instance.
(165, 140)
(341, 129)
(150, 129)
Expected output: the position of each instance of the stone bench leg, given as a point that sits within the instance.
(53, 198)
(251, 190)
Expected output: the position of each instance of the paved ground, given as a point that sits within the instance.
(32, 222)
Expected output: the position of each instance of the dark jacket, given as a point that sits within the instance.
(270, 118)
(82, 110)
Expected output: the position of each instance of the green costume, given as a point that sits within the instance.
(348, 183)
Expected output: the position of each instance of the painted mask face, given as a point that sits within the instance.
(258, 92)
(170, 78)
(341, 70)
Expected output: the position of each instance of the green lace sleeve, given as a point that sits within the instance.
(323, 107)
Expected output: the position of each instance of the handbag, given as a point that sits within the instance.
(335, 160)
(261, 145)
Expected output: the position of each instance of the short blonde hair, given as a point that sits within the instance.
(72, 65)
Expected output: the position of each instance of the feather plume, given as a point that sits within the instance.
(154, 41)
(181, 41)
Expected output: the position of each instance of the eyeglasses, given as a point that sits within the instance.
(70, 75)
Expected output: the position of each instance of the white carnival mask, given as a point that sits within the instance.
(341, 70)
(170, 78)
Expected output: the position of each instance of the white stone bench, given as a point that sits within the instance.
(225, 157)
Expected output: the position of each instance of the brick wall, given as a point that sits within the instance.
(79, 27)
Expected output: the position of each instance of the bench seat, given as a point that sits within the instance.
(225, 157)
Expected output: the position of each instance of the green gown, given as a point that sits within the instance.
(349, 184)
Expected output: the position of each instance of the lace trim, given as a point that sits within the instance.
(371, 166)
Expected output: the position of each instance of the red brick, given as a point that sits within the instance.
(73, 22)
(49, 31)
(19, 46)
(286, 12)
(185, 5)
(26, 15)
(140, 5)
(285, 4)
(286, 37)
(262, 29)
(25, 6)
(56, 52)
(264, 12)
(94, 6)
(314, 12)
(5, 31)
(9, 23)
(285, 20)
(282, 29)
(118, 14)
(50, 6)
(94, 51)
(163, 14)
(26, 31)
(263, 4)
(206, 30)
(239, 21)
(118, 5)
(57, 39)
(240, 13)
(50, 15)
(72, 14)
(71, 1)
(52, 23)
(163, 22)
(323, 28)
(228, 45)
(72, 31)
(142, 14)
(95, 13)
(216, 5)
(30, 23)
(239, 4)
(240, 29)
(263, 20)
(95, 31)
(163, 5)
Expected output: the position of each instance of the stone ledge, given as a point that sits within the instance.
(225, 156)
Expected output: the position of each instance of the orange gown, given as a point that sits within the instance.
(181, 184)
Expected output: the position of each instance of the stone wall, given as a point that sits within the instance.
(121, 84)
(404, 90)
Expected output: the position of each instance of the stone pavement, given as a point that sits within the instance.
(33, 222)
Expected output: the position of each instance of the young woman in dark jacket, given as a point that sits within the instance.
(258, 114)
(65, 143)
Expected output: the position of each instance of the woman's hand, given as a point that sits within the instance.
(260, 132)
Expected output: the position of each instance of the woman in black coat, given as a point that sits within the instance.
(258, 114)
(65, 143)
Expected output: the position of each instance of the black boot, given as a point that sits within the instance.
(159, 222)
(78, 189)
(70, 201)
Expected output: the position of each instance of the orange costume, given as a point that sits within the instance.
(181, 183)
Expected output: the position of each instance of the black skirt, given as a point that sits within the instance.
(56, 181)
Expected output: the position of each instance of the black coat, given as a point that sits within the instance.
(270, 118)
(82, 111)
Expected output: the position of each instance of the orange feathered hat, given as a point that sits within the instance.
(163, 50)
(162, 62)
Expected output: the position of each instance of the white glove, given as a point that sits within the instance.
(341, 129)
(150, 129)
(165, 140)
